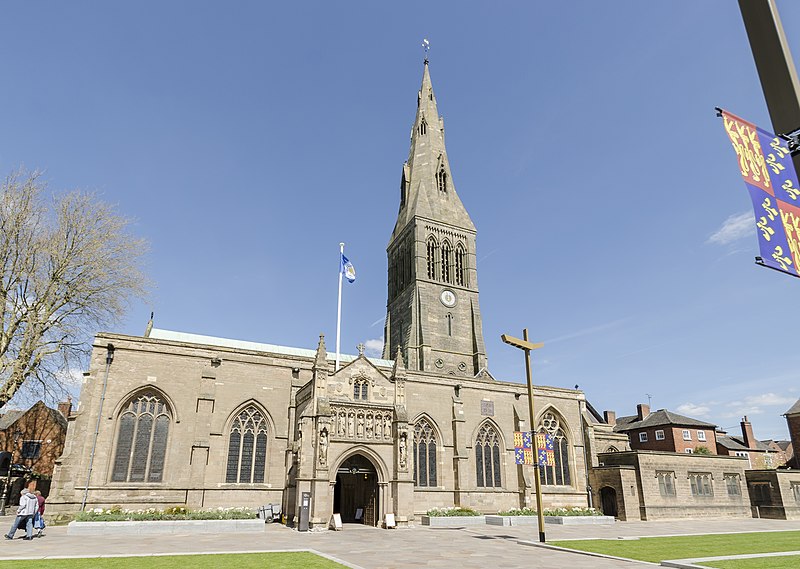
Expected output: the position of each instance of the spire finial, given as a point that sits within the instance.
(426, 45)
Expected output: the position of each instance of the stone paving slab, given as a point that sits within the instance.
(365, 547)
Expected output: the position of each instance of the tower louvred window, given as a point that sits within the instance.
(446, 254)
(433, 249)
(460, 270)
(423, 127)
(441, 180)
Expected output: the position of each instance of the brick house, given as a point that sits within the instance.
(35, 436)
(665, 431)
(758, 453)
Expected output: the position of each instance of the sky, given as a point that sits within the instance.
(246, 140)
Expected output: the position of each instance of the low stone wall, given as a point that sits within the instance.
(453, 521)
(533, 520)
(162, 527)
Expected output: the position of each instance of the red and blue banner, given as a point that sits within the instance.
(768, 172)
(544, 449)
(523, 447)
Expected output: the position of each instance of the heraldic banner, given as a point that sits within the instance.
(768, 172)
(523, 448)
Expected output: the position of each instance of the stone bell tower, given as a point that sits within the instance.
(433, 314)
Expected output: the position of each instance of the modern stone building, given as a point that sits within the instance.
(207, 422)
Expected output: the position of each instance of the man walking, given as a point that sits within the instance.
(28, 505)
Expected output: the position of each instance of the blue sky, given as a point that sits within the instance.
(248, 139)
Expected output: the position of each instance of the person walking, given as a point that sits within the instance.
(28, 505)
(38, 519)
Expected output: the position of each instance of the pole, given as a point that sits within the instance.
(536, 468)
(774, 63)
(339, 305)
(109, 359)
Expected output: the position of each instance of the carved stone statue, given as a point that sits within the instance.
(387, 426)
(342, 425)
(350, 422)
(323, 447)
(369, 426)
(360, 430)
(403, 459)
(378, 427)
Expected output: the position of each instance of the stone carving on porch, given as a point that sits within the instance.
(360, 423)
(323, 447)
(403, 450)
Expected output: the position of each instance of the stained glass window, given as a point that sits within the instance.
(424, 454)
(247, 447)
(143, 429)
(487, 457)
(559, 473)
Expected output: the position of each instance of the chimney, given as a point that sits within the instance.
(642, 411)
(747, 433)
(65, 407)
(610, 417)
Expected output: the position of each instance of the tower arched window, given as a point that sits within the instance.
(247, 447)
(446, 260)
(424, 454)
(441, 179)
(360, 389)
(557, 474)
(423, 127)
(487, 457)
(142, 439)
(460, 266)
(433, 250)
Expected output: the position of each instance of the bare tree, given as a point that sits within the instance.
(68, 267)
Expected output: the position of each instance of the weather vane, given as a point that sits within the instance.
(426, 45)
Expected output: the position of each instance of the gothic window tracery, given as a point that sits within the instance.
(432, 250)
(446, 254)
(247, 447)
(558, 474)
(487, 457)
(360, 387)
(460, 266)
(424, 454)
(142, 439)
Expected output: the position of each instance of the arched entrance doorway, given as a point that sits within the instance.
(608, 500)
(355, 495)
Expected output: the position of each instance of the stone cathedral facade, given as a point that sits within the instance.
(184, 419)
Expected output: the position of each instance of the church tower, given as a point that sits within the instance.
(433, 313)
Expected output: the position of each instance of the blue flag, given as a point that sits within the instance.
(347, 269)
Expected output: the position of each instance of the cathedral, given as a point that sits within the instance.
(173, 418)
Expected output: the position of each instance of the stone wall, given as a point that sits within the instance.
(774, 493)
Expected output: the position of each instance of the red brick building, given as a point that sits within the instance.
(35, 436)
(747, 446)
(665, 431)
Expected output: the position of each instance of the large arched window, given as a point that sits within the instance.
(446, 254)
(142, 439)
(247, 447)
(460, 266)
(424, 454)
(433, 250)
(557, 474)
(487, 457)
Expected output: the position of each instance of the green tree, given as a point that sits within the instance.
(67, 268)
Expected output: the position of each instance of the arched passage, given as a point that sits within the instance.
(608, 501)
(355, 494)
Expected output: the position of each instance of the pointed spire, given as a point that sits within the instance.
(399, 367)
(428, 186)
(321, 359)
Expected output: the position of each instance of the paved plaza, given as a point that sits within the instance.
(365, 547)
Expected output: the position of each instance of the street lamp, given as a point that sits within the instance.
(7, 486)
(527, 347)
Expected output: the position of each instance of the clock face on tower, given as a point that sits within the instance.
(448, 298)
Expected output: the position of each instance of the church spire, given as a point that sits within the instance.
(427, 188)
(433, 315)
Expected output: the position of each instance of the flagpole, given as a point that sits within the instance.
(339, 305)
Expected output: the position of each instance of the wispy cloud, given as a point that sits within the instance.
(733, 229)
(587, 331)
(374, 347)
(694, 410)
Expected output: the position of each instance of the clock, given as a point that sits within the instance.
(448, 298)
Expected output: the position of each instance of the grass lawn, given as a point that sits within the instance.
(657, 549)
(782, 562)
(301, 560)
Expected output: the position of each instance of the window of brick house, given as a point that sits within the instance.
(666, 484)
(31, 449)
(660, 435)
(689, 451)
(642, 437)
(733, 484)
(700, 483)
(701, 436)
(687, 435)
